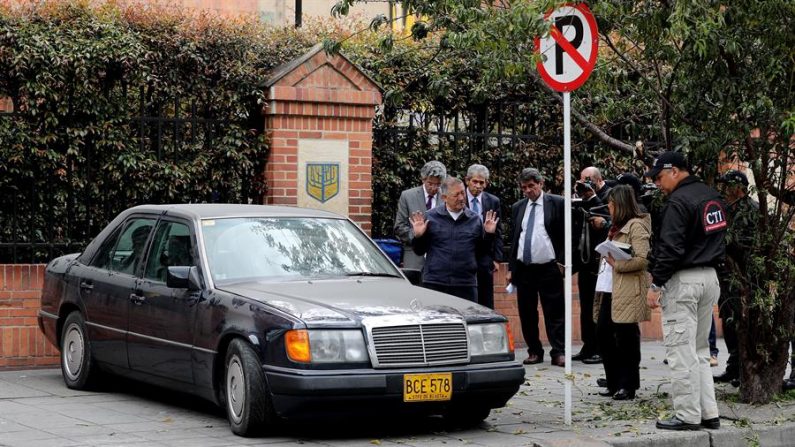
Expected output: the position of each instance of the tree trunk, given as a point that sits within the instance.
(764, 353)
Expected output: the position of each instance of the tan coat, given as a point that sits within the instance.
(630, 280)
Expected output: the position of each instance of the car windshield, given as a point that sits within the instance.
(246, 249)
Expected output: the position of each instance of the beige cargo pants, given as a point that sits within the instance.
(687, 305)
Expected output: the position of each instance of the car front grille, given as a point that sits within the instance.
(420, 345)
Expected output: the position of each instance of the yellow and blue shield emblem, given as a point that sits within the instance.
(322, 180)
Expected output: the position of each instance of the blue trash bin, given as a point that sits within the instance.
(392, 247)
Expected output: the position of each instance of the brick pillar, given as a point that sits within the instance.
(22, 344)
(318, 118)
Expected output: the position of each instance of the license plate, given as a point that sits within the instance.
(427, 387)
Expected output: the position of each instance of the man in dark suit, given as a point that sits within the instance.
(593, 190)
(536, 260)
(421, 198)
(481, 202)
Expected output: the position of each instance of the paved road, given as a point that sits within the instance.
(36, 409)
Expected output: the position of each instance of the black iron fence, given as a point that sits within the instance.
(55, 197)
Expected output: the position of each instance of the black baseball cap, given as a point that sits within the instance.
(666, 160)
(733, 176)
(628, 178)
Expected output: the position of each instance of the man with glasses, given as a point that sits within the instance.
(420, 198)
(689, 244)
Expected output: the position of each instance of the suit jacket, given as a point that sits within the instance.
(411, 200)
(554, 223)
(490, 202)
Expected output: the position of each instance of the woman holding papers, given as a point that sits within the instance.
(621, 305)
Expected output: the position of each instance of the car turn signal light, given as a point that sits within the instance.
(296, 342)
(509, 333)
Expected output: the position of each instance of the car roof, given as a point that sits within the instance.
(222, 210)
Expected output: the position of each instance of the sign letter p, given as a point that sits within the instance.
(560, 22)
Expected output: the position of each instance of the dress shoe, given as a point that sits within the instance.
(607, 393)
(624, 394)
(726, 377)
(676, 424)
(735, 383)
(789, 384)
(580, 355)
(592, 360)
(712, 424)
(532, 359)
(601, 382)
(713, 360)
(558, 360)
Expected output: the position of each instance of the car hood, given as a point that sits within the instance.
(352, 300)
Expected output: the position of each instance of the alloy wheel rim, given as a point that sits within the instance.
(73, 351)
(235, 389)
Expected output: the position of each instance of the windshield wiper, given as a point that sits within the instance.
(382, 274)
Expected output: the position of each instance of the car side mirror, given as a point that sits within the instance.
(183, 277)
(414, 276)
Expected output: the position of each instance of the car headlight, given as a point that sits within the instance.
(491, 338)
(326, 346)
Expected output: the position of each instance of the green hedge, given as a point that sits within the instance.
(73, 154)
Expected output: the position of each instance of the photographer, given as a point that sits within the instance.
(591, 191)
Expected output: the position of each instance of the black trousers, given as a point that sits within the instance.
(544, 281)
(586, 283)
(466, 292)
(728, 310)
(619, 345)
(486, 286)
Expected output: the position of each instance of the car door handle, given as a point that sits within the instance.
(137, 299)
(85, 285)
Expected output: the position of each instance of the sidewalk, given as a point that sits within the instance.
(36, 409)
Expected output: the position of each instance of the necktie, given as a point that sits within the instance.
(528, 235)
(476, 207)
(429, 202)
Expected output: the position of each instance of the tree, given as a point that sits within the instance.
(713, 79)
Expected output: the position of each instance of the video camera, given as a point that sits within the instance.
(581, 187)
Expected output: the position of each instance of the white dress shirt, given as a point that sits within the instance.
(542, 250)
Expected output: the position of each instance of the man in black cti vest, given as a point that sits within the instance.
(689, 244)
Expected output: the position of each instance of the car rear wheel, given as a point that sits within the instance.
(246, 395)
(77, 365)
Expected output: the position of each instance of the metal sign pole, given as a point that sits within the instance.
(567, 237)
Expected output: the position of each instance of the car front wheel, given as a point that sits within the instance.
(77, 365)
(246, 395)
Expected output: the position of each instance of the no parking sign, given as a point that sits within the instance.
(569, 50)
(568, 57)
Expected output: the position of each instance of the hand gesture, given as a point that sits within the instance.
(490, 222)
(418, 223)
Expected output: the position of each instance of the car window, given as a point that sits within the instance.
(131, 247)
(289, 248)
(102, 256)
(171, 247)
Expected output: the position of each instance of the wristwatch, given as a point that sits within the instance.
(655, 288)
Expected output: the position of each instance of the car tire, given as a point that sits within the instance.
(77, 364)
(467, 416)
(246, 395)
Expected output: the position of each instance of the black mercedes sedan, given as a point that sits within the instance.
(272, 313)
